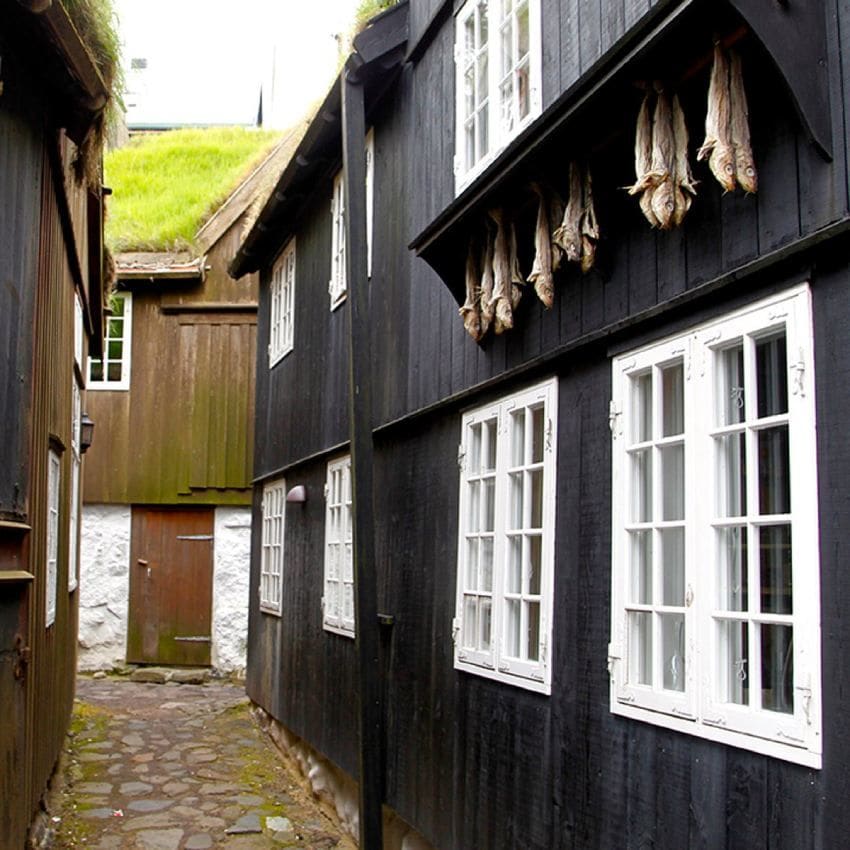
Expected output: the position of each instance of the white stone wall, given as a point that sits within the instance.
(104, 585)
(232, 561)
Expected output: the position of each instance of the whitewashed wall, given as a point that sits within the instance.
(104, 587)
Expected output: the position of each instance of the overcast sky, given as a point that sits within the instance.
(206, 59)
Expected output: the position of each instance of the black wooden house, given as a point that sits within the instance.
(594, 561)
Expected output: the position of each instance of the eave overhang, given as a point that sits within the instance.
(378, 54)
(139, 268)
(661, 45)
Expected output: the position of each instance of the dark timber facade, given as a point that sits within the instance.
(479, 761)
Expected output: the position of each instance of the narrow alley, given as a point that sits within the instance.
(172, 766)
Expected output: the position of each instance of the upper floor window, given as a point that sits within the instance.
(337, 286)
(112, 372)
(497, 78)
(282, 303)
(506, 539)
(271, 556)
(54, 479)
(338, 601)
(715, 600)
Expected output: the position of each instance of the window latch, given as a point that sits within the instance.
(455, 630)
(614, 655)
(799, 373)
(805, 690)
(461, 457)
(613, 417)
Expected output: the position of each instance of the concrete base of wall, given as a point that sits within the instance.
(105, 586)
(335, 790)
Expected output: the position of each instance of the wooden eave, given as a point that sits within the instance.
(65, 64)
(382, 45)
(661, 41)
(158, 269)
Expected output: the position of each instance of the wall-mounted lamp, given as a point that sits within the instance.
(297, 494)
(86, 433)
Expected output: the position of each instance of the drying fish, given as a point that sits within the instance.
(517, 278)
(663, 159)
(500, 301)
(717, 146)
(644, 183)
(541, 271)
(470, 311)
(745, 167)
(589, 227)
(683, 180)
(568, 235)
(556, 213)
(502, 262)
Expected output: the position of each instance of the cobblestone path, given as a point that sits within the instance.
(168, 767)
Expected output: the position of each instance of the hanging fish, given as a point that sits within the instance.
(745, 167)
(643, 184)
(517, 277)
(589, 226)
(663, 159)
(470, 311)
(502, 261)
(683, 179)
(568, 235)
(541, 270)
(717, 147)
(500, 285)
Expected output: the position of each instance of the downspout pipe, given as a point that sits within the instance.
(367, 637)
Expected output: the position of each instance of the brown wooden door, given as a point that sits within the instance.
(171, 564)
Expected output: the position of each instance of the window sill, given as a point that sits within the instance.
(338, 630)
(537, 686)
(267, 609)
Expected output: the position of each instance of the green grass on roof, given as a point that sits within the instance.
(166, 185)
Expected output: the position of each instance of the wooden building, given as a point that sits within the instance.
(166, 519)
(605, 605)
(52, 98)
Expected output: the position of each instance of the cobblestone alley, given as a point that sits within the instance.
(168, 766)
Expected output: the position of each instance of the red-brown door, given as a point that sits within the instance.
(171, 565)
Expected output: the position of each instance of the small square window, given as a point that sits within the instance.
(112, 372)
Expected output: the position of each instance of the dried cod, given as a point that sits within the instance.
(541, 270)
(589, 227)
(745, 167)
(503, 273)
(568, 235)
(471, 311)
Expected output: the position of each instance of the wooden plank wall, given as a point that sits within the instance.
(472, 763)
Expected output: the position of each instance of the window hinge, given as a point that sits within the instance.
(326, 491)
(798, 370)
(549, 432)
(785, 736)
(715, 721)
(614, 418)
(544, 646)
(456, 164)
(538, 677)
(614, 655)
(805, 690)
(323, 604)
(504, 667)
(455, 630)
(461, 457)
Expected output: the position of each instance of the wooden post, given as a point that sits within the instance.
(360, 422)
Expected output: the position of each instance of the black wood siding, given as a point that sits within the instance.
(20, 200)
(470, 762)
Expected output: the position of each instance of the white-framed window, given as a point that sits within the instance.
(271, 558)
(282, 304)
(337, 286)
(76, 463)
(497, 79)
(506, 540)
(715, 574)
(338, 599)
(54, 481)
(112, 372)
(78, 331)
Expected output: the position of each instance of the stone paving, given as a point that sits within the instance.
(180, 767)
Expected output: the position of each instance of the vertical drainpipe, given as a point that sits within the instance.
(367, 640)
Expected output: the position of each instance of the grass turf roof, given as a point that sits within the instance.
(166, 185)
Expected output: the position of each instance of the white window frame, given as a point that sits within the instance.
(76, 463)
(126, 349)
(485, 107)
(475, 652)
(337, 284)
(700, 708)
(338, 594)
(270, 589)
(54, 490)
(282, 305)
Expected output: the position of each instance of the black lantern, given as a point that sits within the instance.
(86, 432)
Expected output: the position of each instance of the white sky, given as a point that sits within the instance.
(206, 59)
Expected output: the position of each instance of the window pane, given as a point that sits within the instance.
(732, 552)
(473, 523)
(673, 651)
(490, 443)
(640, 648)
(483, 15)
(481, 71)
(486, 564)
(734, 679)
(470, 621)
(507, 42)
(523, 41)
(673, 566)
(113, 371)
(489, 504)
(512, 627)
(485, 625)
(114, 350)
(516, 497)
(96, 371)
(642, 414)
(775, 559)
(774, 471)
(772, 372)
(641, 544)
(730, 390)
(777, 668)
(115, 328)
(472, 563)
(642, 486)
(537, 435)
(673, 400)
(535, 558)
(518, 437)
(475, 439)
(673, 482)
(732, 475)
(513, 579)
(533, 631)
(523, 88)
(536, 484)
